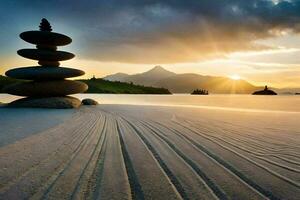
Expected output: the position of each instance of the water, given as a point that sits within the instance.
(287, 103)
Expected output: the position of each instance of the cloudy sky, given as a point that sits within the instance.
(257, 40)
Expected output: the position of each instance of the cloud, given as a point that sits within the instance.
(168, 31)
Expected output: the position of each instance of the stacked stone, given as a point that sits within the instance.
(48, 87)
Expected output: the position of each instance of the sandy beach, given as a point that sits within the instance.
(149, 152)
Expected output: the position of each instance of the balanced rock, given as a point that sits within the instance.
(47, 87)
(48, 102)
(45, 25)
(48, 63)
(89, 102)
(45, 38)
(43, 73)
(45, 54)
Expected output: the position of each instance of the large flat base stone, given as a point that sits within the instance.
(52, 88)
(43, 73)
(46, 102)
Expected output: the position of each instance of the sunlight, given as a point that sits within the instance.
(235, 77)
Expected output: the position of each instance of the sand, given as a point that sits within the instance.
(149, 152)
(21, 122)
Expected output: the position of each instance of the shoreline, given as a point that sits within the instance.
(236, 109)
(234, 102)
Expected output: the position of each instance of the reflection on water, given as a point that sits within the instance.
(280, 102)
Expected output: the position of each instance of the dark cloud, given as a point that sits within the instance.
(153, 31)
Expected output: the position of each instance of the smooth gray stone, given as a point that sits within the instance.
(48, 55)
(45, 38)
(46, 102)
(47, 47)
(46, 88)
(43, 73)
(49, 63)
(89, 102)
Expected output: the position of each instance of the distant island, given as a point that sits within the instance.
(266, 91)
(199, 92)
(97, 85)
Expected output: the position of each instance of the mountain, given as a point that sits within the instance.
(186, 83)
(147, 78)
(287, 91)
(117, 77)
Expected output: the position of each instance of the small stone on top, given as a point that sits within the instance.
(45, 25)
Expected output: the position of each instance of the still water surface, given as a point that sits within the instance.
(290, 103)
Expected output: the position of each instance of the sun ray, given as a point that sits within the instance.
(235, 77)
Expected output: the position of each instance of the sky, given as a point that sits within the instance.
(257, 40)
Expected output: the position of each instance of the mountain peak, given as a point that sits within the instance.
(159, 69)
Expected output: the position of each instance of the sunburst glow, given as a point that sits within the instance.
(235, 77)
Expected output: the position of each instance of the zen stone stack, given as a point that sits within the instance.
(46, 85)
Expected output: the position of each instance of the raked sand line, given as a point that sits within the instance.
(217, 141)
(230, 168)
(180, 189)
(140, 152)
(136, 189)
(219, 176)
(27, 157)
(262, 156)
(47, 169)
(155, 183)
(268, 192)
(254, 144)
(213, 187)
(65, 181)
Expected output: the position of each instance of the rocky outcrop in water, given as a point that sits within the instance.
(266, 91)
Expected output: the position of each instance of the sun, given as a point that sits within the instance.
(235, 77)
